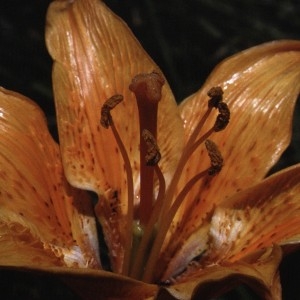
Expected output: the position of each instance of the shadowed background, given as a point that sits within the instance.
(185, 38)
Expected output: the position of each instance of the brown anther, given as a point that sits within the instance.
(223, 117)
(109, 104)
(216, 96)
(215, 156)
(147, 86)
(153, 155)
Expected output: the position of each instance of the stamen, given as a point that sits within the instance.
(147, 89)
(216, 166)
(216, 96)
(222, 120)
(171, 205)
(109, 104)
(223, 117)
(165, 225)
(153, 155)
(215, 156)
(106, 121)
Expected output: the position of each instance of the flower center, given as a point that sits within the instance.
(149, 227)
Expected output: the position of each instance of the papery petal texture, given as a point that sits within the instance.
(95, 57)
(259, 272)
(43, 220)
(256, 218)
(260, 86)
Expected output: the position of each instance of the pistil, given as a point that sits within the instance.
(152, 158)
(147, 89)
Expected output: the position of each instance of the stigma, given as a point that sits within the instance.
(149, 222)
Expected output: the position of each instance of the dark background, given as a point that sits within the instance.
(186, 38)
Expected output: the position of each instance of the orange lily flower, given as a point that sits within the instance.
(183, 202)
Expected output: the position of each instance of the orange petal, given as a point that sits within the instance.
(254, 94)
(96, 56)
(261, 86)
(259, 273)
(259, 217)
(19, 247)
(42, 219)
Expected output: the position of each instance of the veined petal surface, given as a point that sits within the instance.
(43, 220)
(259, 272)
(95, 57)
(261, 86)
(256, 218)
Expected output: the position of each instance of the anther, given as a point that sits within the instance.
(216, 96)
(153, 155)
(215, 156)
(223, 117)
(109, 104)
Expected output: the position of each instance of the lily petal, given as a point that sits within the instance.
(96, 56)
(259, 217)
(260, 86)
(43, 220)
(260, 273)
